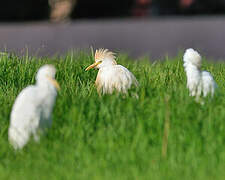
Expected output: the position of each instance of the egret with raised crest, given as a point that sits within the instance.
(111, 76)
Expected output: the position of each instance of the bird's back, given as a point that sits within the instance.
(24, 105)
(24, 118)
(115, 77)
(209, 85)
(206, 76)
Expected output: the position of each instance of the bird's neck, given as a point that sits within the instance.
(191, 68)
(46, 86)
(193, 73)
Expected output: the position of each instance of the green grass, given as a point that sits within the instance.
(112, 137)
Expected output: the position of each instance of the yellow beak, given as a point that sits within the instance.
(54, 83)
(93, 65)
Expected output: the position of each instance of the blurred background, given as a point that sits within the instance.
(59, 10)
(139, 27)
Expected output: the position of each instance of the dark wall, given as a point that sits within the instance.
(19, 10)
(102, 8)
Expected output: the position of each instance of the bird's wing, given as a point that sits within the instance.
(25, 116)
(26, 108)
(208, 78)
(209, 85)
(116, 77)
(126, 74)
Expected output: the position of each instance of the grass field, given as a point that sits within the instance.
(113, 137)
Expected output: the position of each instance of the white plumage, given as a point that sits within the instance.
(198, 82)
(31, 112)
(110, 75)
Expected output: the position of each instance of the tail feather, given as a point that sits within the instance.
(17, 138)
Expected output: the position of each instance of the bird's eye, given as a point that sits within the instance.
(99, 62)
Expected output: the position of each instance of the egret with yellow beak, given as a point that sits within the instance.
(31, 112)
(111, 76)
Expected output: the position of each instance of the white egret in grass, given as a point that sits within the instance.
(198, 82)
(111, 76)
(31, 112)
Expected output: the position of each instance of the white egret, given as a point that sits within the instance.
(111, 76)
(198, 82)
(31, 112)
